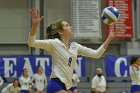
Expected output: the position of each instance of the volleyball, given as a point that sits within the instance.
(110, 15)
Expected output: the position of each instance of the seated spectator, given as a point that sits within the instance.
(12, 87)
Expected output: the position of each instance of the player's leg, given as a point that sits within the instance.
(42, 92)
(24, 91)
(137, 92)
(69, 92)
(37, 92)
(75, 91)
(135, 89)
(56, 86)
(62, 91)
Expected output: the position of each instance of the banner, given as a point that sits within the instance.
(86, 18)
(117, 66)
(125, 21)
(12, 66)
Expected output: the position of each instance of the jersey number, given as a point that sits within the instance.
(70, 60)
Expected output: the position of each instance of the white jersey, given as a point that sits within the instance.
(75, 80)
(40, 82)
(25, 83)
(63, 59)
(134, 75)
(99, 83)
(1, 81)
(10, 89)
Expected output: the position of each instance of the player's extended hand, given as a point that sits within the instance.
(113, 34)
(35, 16)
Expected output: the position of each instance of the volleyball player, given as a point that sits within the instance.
(39, 81)
(64, 53)
(75, 81)
(135, 74)
(25, 82)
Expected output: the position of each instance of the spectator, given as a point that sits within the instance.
(25, 82)
(98, 82)
(12, 88)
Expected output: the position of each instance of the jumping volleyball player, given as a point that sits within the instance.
(135, 74)
(64, 53)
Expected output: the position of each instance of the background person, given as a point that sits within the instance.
(25, 82)
(12, 88)
(98, 82)
(75, 81)
(39, 81)
(135, 74)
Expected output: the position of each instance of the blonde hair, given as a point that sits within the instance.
(52, 30)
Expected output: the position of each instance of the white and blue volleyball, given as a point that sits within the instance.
(110, 15)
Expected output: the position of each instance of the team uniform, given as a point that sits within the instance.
(99, 83)
(135, 78)
(75, 80)
(40, 82)
(1, 81)
(63, 60)
(11, 89)
(25, 84)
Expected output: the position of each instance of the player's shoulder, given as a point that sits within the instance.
(54, 41)
(21, 77)
(75, 75)
(35, 75)
(44, 76)
(75, 44)
(10, 84)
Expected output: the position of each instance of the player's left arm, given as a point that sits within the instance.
(84, 51)
(88, 52)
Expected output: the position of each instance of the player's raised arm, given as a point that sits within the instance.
(35, 21)
(109, 38)
(32, 42)
(98, 52)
